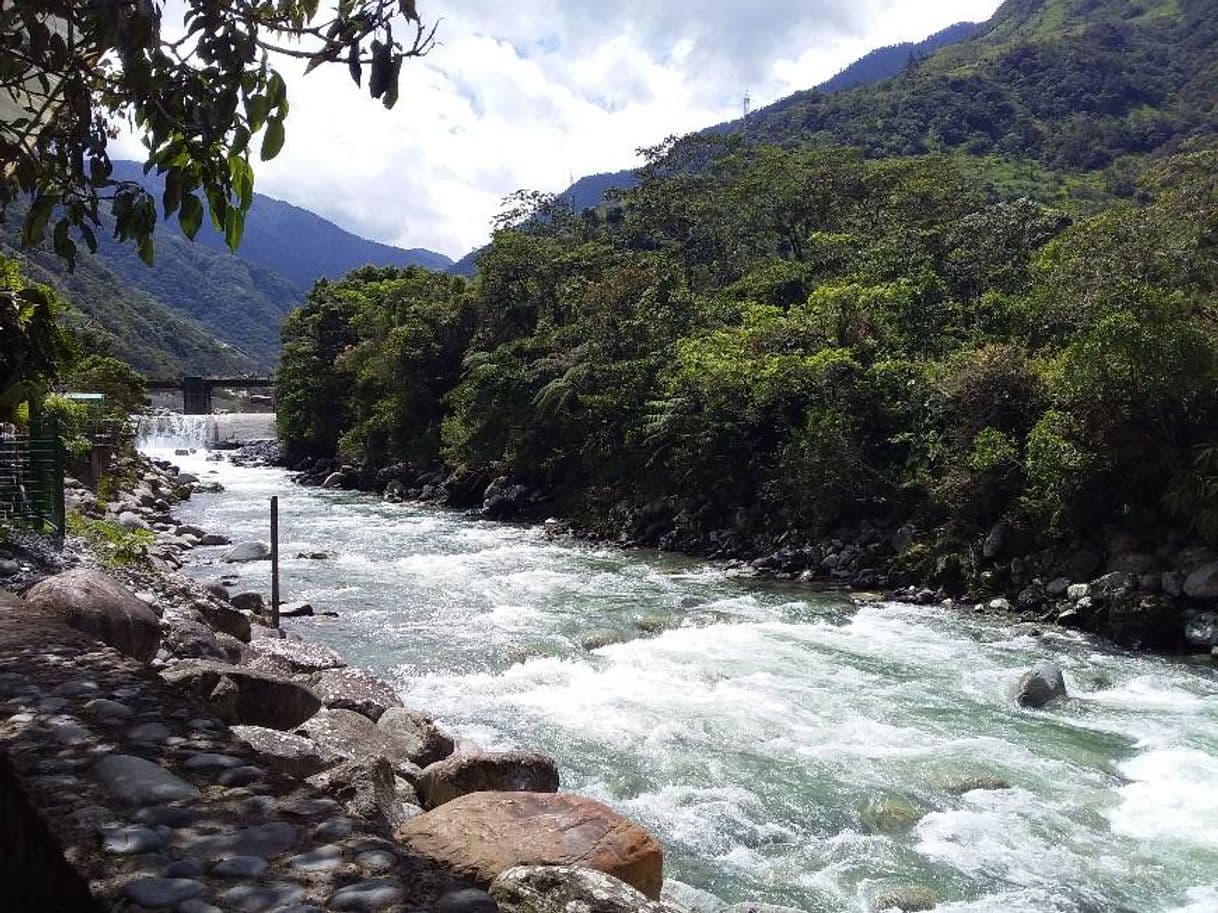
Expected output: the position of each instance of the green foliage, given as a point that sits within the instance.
(74, 73)
(31, 342)
(773, 340)
(124, 388)
(116, 545)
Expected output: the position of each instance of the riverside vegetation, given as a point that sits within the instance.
(878, 370)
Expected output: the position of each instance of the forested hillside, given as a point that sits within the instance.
(1074, 84)
(763, 345)
(110, 316)
(297, 245)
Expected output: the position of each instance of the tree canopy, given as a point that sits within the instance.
(73, 74)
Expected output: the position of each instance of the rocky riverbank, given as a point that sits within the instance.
(1148, 587)
(271, 775)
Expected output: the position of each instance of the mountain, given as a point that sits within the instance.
(109, 315)
(200, 308)
(297, 244)
(1076, 85)
(884, 63)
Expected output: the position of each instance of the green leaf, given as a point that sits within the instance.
(191, 215)
(36, 221)
(257, 107)
(272, 140)
(145, 249)
(234, 228)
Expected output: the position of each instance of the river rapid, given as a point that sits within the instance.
(785, 745)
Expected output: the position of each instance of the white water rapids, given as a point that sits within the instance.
(786, 746)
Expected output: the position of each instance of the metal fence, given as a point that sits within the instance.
(31, 478)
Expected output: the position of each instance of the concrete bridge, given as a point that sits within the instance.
(197, 391)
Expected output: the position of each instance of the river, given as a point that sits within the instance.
(785, 745)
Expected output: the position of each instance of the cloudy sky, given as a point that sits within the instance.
(531, 93)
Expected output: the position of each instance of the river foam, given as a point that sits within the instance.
(763, 731)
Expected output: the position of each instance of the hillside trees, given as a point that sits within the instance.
(790, 340)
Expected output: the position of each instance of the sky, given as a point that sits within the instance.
(534, 93)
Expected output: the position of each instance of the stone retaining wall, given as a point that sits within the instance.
(118, 793)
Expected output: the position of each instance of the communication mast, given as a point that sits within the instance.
(748, 105)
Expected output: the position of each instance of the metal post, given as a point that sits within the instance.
(275, 561)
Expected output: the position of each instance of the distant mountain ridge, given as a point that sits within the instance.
(883, 63)
(200, 308)
(297, 244)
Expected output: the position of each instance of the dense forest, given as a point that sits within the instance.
(784, 341)
(978, 296)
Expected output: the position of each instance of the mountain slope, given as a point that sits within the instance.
(109, 316)
(884, 63)
(297, 244)
(1073, 84)
(589, 192)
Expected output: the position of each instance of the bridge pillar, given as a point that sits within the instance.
(196, 396)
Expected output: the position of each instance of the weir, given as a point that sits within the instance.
(174, 431)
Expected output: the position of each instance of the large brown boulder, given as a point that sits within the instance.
(97, 605)
(481, 835)
(487, 771)
(239, 694)
(355, 689)
(422, 741)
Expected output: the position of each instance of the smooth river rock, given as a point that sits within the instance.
(421, 740)
(1040, 685)
(139, 782)
(97, 605)
(502, 771)
(247, 551)
(481, 835)
(353, 736)
(238, 694)
(355, 689)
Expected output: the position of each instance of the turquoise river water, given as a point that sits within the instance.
(787, 746)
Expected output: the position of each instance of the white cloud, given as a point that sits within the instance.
(531, 93)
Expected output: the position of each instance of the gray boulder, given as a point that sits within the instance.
(100, 607)
(286, 752)
(490, 771)
(1202, 583)
(247, 551)
(189, 639)
(367, 790)
(566, 889)
(353, 736)
(421, 740)
(224, 619)
(1202, 630)
(300, 656)
(1040, 685)
(248, 602)
(355, 689)
(239, 694)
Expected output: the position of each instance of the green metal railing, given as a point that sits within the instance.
(31, 478)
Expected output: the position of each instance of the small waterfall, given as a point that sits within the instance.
(175, 432)
(171, 431)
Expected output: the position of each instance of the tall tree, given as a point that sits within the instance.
(72, 73)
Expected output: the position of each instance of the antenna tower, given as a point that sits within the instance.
(748, 105)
